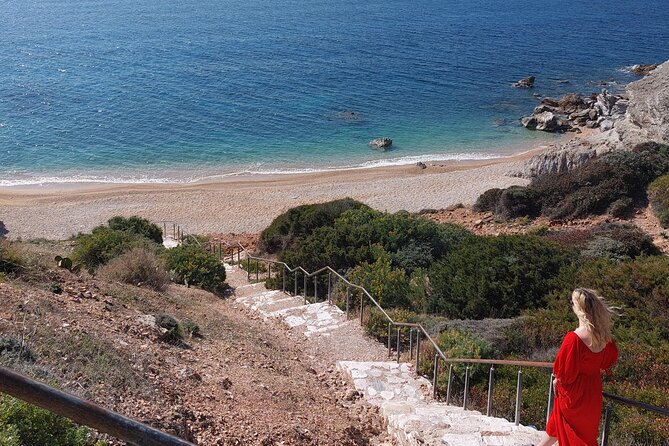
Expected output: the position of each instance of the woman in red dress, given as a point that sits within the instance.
(584, 353)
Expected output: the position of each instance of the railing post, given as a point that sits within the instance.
(519, 395)
(348, 301)
(398, 345)
(417, 352)
(389, 340)
(491, 384)
(269, 270)
(551, 395)
(295, 283)
(248, 269)
(315, 289)
(362, 306)
(174, 230)
(465, 398)
(329, 287)
(239, 254)
(257, 269)
(434, 375)
(283, 278)
(607, 421)
(450, 381)
(305, 288)
(411, 330)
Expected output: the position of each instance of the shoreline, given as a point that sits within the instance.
(247, 204)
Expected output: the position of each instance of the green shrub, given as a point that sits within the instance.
(658, 194)
(137, 225)
(11, 259)
(174, 333)
(376, 324)
(496, 276)
(387, 285)
(13, 349)
(138, 267)
(463, 344)
(191, 265)
(301, 221)
(192, 328)
(612, 182)
(104, 244)
(24, 425)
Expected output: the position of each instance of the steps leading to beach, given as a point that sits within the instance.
(405, 401)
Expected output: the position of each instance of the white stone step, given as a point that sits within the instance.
(415, 419)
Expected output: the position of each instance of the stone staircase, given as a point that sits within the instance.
(413, 417)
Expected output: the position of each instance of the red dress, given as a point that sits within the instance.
(578, 394)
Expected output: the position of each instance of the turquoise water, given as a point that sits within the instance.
(148, 90)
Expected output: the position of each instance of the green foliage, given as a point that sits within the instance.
(658, 194)
(388, 286)
(104, 244)
(191, 265)
(174, 333)
(376, 324)
(13, 349)
(138, 267)
(66, 263)
(11, 259)
(463, 344)
(137, 225)
(612, 182)
(301, 221)
(192, 328)
(496, 276)
(24, 425)
(355, 237)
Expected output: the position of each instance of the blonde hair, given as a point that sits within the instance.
(595, 314)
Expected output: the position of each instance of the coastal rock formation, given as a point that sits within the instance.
(525, 83)
(381, 143)
(643, 70)
(624, 121)
(572, 111)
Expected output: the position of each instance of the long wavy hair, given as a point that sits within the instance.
(593, 311)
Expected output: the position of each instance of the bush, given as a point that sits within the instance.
(191, 265)
(376, 324)
(252, 266)
(174, 333)
(24, 425)
(496, 276)
(462, 344)
(301, 221)
(103, 244)
(137, 225)
(658, 194)
(138, 267)
(612, 182)
(388, 286)
(10, 259)
(192, 328)
(13, 349)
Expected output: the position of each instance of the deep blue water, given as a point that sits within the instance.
(155, 89)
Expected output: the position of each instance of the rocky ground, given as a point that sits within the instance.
(244, 382)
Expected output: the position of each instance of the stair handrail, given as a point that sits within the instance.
(84, 412)
(440, 354)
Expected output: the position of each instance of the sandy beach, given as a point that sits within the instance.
(248, 204)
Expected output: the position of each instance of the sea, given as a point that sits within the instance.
(165, 91)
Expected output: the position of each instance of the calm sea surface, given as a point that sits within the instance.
(162, 90)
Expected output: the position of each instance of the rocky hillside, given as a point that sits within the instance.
(646, 118)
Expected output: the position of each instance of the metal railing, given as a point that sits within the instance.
(420, 331)
(176, 231)
(84, 412)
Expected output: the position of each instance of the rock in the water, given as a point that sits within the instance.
(381, 143)
(643, 70)
(525, 83)
(545, 121)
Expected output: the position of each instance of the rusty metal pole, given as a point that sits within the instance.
(491, 384)
(434, 375)
(389, 340)
(398, 345)
(465, 399)
(84, 412)
(450, 382)
(551, 395)
(519, 395)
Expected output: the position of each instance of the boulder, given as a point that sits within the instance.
(545, 121)
(421, 165)
(643, 70)
(528, 82)
(381, 143)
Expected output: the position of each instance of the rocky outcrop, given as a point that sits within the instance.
(572, 111)
(381, 143)
(528, 82)
(641, 115)
(643, 70)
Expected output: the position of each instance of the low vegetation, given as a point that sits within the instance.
(613, 183)
(658, 194)
(139, 267)
(191, 265)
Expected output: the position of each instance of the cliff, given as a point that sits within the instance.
(645, 119)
